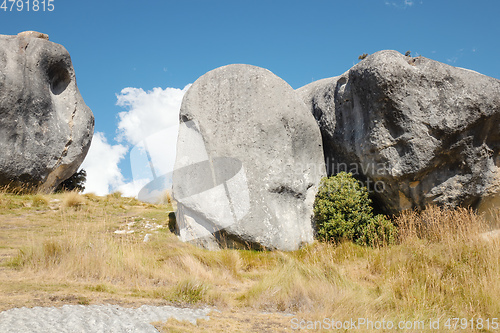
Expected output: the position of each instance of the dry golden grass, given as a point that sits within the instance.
(51, 255)
(40, 200)
(73, 199)
(233, 321)
(166, 197)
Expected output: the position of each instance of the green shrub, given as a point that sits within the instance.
(342, 211)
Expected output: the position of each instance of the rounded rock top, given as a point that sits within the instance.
(33, 34)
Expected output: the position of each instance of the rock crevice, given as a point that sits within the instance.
(420, 121)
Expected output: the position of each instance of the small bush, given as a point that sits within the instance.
(342, 211)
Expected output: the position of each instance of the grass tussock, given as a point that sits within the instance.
(187, 291)
(73, 199)
(443, 263)
(440, 225)
(40, 200)
(166, 197)
(439, 268)
(115, 195)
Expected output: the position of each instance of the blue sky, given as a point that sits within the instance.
(169, 44)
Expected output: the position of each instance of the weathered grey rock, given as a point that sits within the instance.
(425, 131)
(249, 159)
(45, 126)
(33, 34)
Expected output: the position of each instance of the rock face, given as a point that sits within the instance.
(417, 130)
(249, 159)
(46, 128)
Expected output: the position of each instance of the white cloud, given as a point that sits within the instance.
(132, 188)
(148, 112)
(401, 3)
(459, 54)
(151, 121)
(101, 165)
(151, 124)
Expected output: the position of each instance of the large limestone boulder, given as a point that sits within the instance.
(418, 131)
(46, 128)
(249, 159)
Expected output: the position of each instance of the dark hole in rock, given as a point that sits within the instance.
(59, 78)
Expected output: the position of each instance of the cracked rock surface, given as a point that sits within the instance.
(424, 131)
(45, 126)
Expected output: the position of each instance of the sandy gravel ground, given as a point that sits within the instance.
(93, 318)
